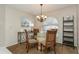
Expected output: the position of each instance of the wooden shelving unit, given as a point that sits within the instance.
(68, 31)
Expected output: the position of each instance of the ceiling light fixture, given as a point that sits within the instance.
(41, 17)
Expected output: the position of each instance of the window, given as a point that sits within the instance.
(50, 23)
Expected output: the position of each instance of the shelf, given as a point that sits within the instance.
(69, 36)
(68, 31)
(69, 25)
(68, 43)
(71, 45)
(68, 20)
(68, 39)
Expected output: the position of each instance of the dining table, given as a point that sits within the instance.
(41, 37)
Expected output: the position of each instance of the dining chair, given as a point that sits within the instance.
(35, 33)
(30, 41)
(50, 42)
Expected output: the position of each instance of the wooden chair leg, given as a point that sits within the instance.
(37, 46)
(46, 49)
(41, 48)
(27, 47)
(62, 47)
(55, 49)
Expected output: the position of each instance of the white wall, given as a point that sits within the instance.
(13, 24)
(78, 23)
(2, 25)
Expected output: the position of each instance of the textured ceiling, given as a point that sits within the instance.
(34, 9)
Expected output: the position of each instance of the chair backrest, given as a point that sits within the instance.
(29, 35)
(51, 38)
(35, 31)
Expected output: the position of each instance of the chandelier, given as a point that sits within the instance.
(41, 17)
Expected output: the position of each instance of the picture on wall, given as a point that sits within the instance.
(24, 22)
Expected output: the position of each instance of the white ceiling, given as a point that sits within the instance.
(34, 9)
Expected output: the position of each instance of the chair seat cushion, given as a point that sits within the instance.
(43, 42)
(30, 35)
(32, 41)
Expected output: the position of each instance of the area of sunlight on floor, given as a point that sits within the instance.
(4, 50)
